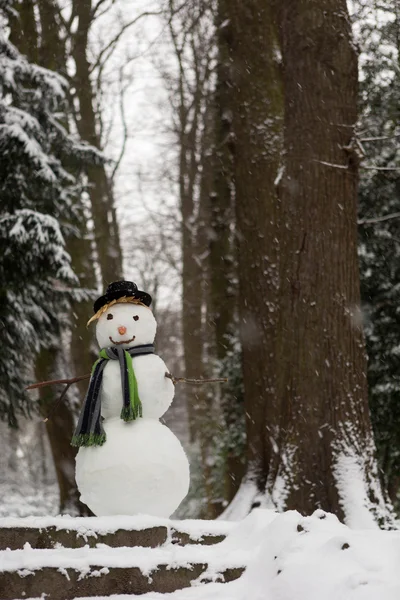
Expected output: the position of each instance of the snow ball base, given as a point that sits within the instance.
(142, 468)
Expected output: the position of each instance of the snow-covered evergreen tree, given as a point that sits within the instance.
(40, 185)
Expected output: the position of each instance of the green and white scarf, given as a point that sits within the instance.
(90, 431)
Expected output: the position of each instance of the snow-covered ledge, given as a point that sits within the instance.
(115, 531)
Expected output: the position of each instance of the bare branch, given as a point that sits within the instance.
(66, 382)
(94, 14)
(380, 137)
(41, 384)
(195, 381)
(109, 48)
(366, 167)
(328, 164)
(122, 90)
(372, 168)
(57, 402)
(379, 219)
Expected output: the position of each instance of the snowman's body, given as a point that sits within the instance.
(156, 391)
(142, 467)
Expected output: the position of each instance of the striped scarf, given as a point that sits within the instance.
(90, 431)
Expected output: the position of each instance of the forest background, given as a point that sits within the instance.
(189, 147)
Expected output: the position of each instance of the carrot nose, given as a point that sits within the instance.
(121, 330)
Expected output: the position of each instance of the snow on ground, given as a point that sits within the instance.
(21, 500)
(288, 557)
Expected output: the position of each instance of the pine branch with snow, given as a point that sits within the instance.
(42, 177)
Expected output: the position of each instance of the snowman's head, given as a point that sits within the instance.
(126, 325)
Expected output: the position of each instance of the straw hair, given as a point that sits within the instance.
(123, 300)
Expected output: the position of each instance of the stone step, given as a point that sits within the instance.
(66, 574)
(41, 533)
(63, 558)
(68, 584)
(184, 538)
(50, 537)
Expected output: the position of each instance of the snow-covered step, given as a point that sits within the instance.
(50, 537)
(63, 574)
(48, 532)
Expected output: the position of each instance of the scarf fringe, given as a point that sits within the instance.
(88, 439)
(131, 413)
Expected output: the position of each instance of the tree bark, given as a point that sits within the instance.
(106, 228)
(222, 266)
(257, 121)
(194, 245)
(222, 196)
(23, 32)
(51, 52)
(192, 130)
(191, 285)
(83, 346)
(321, 385)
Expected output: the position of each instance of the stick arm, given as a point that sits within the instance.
(176, 380)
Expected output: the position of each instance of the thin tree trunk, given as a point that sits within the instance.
(106, 229)
(199, 402)
(223, 294)
(59, 429)
(191, 305)
(83, 348)
(51, 53)
(23, 31)
(221, 199)
(207, 409)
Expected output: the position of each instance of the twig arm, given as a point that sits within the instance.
(67, 382)
(176, 380)
(57, 402)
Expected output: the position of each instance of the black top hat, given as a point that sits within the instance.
(119, 289)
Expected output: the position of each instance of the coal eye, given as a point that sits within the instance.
(109, 317)
(136, 318)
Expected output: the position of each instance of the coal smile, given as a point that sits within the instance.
(122, 341)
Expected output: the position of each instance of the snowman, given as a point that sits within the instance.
(128, 462)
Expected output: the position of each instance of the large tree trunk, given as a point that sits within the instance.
(321, 388)
(257, 107)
